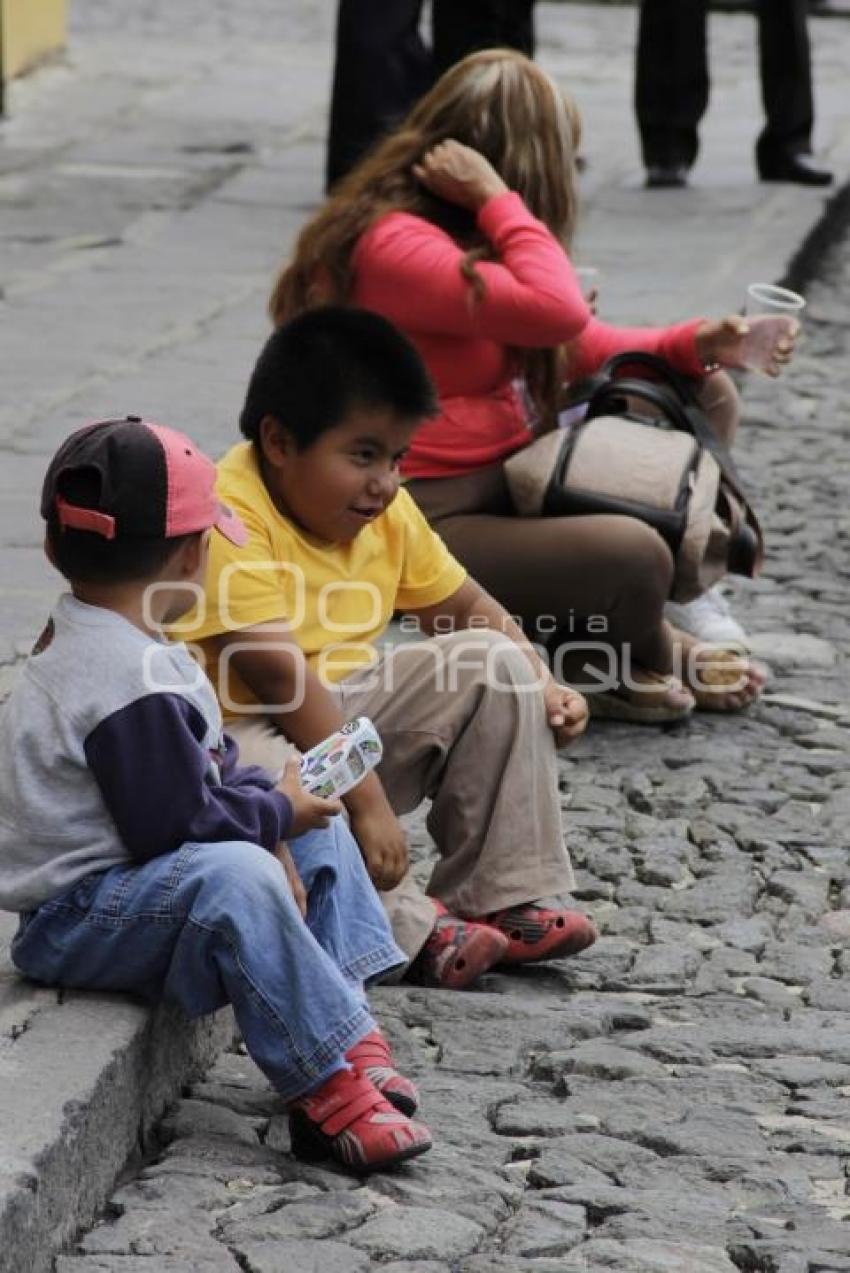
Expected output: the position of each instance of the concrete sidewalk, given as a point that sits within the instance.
(149, 186)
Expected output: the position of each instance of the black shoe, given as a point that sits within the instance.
(666, 176)
(801, 169)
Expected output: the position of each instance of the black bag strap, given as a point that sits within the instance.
(672, 394)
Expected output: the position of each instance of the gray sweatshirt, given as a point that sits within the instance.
(111, 752)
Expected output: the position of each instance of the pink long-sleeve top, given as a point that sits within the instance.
(409, 270)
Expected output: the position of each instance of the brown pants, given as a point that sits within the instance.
(571, 581)
(463, 725)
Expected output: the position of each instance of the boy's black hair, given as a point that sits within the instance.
(85, 557)
(314, 371)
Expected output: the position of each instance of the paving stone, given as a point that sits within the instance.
(326, 1216)
(722, 1132)
(662, 969)
(604, 1060)
(545, 1228)
(510, 1264)
(221, 1158)
(155, 1234)
(558, 1166)
(737, 963)
(263, 1199)
(810, 891)
(713, 900)
(793, 963)
(201, 1118)
(535, 1118)
(413, 1266)
(417, 1233)
(773, 994)
(645, 1255)
(606, 1153)
(804, 1071)
(185, 1193)
(251, 1102)
(305, 1257)
(837, 924)
(788, 650)
(828, 994)
(207, 1261)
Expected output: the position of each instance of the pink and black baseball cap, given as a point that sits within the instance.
(148, 482)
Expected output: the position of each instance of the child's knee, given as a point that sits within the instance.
(490, 658)
(236, 874)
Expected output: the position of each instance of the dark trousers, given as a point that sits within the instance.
(382, 65)
(672, 84)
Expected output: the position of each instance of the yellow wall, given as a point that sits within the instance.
(29, 30)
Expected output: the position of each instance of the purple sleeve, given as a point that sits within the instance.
(235, 775)
(158, 782)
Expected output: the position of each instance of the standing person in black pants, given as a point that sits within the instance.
(672, 87)
(382, 65)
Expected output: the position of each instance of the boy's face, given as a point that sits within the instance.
(344, 480)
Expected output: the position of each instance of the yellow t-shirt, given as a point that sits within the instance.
(335, 599)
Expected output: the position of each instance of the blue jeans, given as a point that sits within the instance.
(212, 924)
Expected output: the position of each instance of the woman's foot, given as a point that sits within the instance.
(349, 1121)
(457, 952)
(542, 930)
(372, 1059)
(721, 680)
(649, 698)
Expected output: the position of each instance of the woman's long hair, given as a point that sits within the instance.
(501, 104)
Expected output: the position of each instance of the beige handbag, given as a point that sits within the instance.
(646, 450)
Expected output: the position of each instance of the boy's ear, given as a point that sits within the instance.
(49, 550)
(190, 555)
(276, 442)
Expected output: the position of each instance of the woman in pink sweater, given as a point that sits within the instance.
(456, 229)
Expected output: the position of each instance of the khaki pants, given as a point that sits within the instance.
(462, 725)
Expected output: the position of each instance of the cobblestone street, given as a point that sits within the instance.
(676, 1099)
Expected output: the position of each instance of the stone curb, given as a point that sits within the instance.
(83, 1078)
(823, 235)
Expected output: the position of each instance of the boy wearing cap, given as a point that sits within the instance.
(140, 855)
(469, 720)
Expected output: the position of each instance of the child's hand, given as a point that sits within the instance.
(382, 842)
(566, 712)
(294, 880)
(308, 812)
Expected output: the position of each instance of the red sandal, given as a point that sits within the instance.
(348, 1120)
(457, 951)
(538, 932)
(372, 1059)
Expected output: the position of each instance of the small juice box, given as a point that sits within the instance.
(337, 764)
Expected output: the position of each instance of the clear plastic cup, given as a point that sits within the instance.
(773, 314)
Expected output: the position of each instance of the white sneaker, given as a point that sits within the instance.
(708, 617)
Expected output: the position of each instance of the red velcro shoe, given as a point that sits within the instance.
(457, 951)
(372, 1059)
(348, 1119)
(540, 932)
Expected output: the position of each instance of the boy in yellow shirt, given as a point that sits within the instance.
(287, 627)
